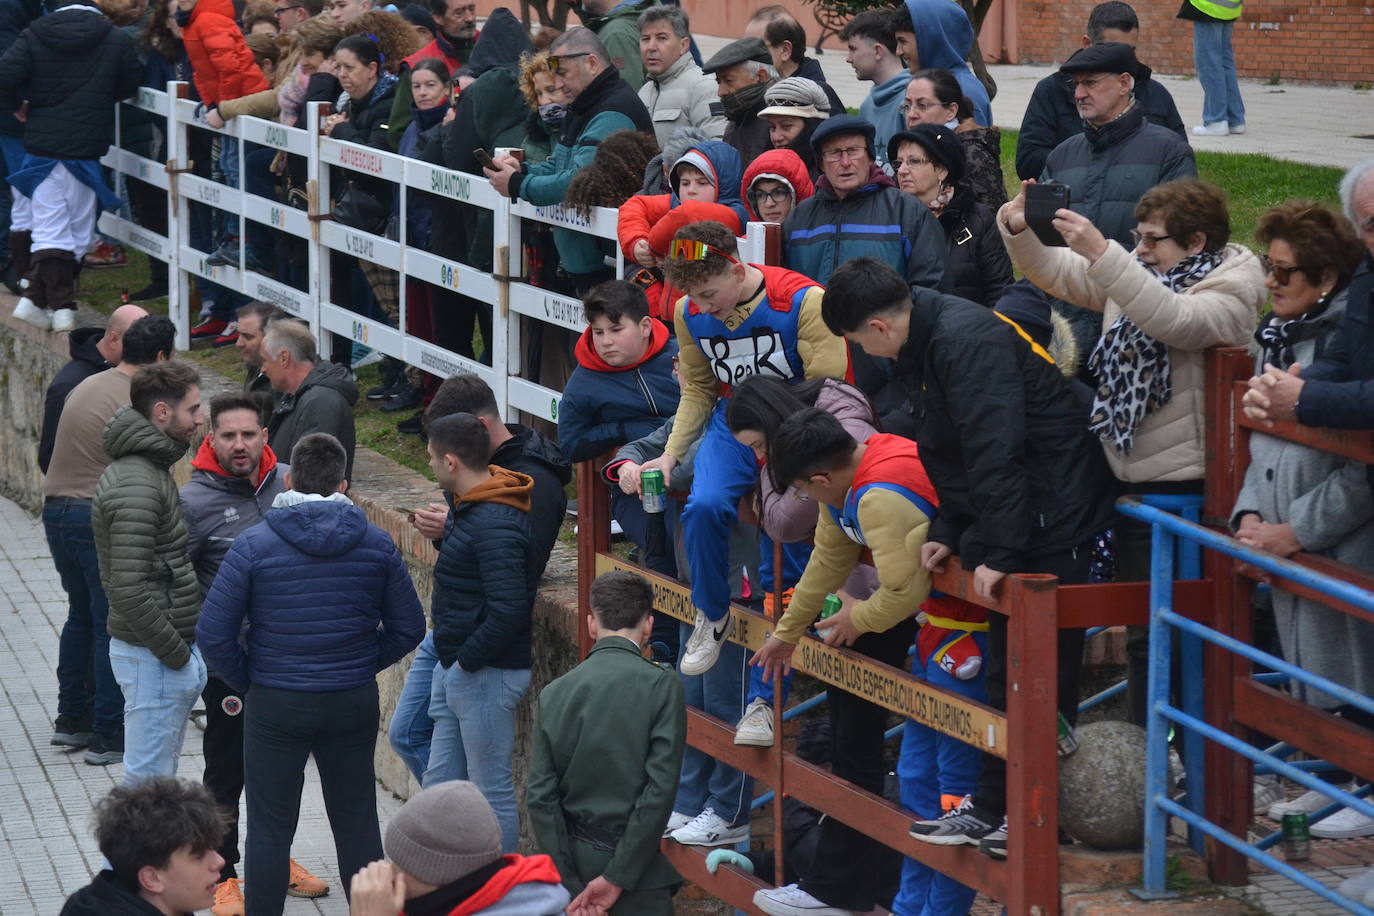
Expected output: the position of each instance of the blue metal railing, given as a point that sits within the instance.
(1168, 530)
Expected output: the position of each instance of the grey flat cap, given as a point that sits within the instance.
(737, 52)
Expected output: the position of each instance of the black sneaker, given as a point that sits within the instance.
(406, 398)
(413, 426)
(72, 733)
(961, 826)
(105, 751)
(995, 843)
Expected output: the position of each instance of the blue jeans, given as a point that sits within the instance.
(85, 682)
(933, 764)
(1216, 71)
(474, 736)
(157, 704)
(411, 727)
(705, 782)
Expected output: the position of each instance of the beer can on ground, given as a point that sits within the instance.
(831, 606)
(651, 491)
(1068, 741)
(1297, 842)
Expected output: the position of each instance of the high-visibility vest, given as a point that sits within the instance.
(1224, 10)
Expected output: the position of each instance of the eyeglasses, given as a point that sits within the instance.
(911, 163)
(775, 196)
(1089, 84)
(921, 105)
(287, 9)
(1149, 241)
(693, 250)
(556, 61)
(1281, 273)
(849, 152)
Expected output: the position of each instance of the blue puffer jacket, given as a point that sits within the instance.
(484, 580)
(326, 595)
(605, 406)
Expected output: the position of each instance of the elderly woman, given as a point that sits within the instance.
(1183, 289)
(930, 165)
(934, 97)
(1297, 498)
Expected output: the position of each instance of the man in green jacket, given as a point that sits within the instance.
(140, 543)
(604, 771)
(616, 23)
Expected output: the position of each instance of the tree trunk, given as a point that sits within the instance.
(977, 11)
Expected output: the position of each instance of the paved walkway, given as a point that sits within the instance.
(46, 795)
(1312, 124)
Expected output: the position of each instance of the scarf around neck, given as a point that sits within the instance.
(1132, 368)
(1277, 336)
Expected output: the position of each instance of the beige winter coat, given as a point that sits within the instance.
(1219, 311)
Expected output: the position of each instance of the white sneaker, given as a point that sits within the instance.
(703, 646)
(1309, 802)
(64, 319)
(1237, 128)
(1266, 791)
(755, 728)
(676, 821)
(791, 900)
(710, 829)
(1215, 129)
(1346, 822)
(25, 310)
(1356, 886)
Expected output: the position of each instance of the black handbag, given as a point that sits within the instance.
(357, 209)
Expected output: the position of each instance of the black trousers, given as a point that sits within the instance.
(1072, 568)
(844, 871)
(223, 745)
(281, 729)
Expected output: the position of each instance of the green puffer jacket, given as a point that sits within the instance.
(140, 541)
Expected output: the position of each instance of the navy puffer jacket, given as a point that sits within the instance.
(327, 597)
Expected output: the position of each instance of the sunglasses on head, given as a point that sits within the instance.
(556, 61)
(692, 250)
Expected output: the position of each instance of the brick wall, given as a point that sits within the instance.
(1312, 41)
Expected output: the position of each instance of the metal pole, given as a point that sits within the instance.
(1157, 727)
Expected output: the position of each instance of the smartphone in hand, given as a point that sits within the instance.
(484, 158)
(1043, 200)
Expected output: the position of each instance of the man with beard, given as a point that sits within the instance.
(453, 44)
(744, 71)
(234, 479)
(140, 543)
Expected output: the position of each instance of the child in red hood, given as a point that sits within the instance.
(774, 184)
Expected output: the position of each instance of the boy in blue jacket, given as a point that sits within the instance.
(622, 389)
(484, 583)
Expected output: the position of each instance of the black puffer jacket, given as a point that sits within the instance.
(15, 16)
(1002, 437)
(86, 361)
(71, 66)
(1339, 386)
(367, 117)
(977, 262)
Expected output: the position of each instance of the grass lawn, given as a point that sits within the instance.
(1254, 184)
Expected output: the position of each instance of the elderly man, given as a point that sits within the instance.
(873, 55)
(1337, 389)
(743, 72)
(616, 23)
(1051, 116)
(602, 104)
(315, 397)
(785, 39)
(675, 90)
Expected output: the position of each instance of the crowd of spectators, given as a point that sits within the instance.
(887, 385)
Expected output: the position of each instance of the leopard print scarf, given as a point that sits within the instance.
(1132, 368)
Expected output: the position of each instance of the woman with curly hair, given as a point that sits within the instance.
(615, 173)
(548, 99)
(390, 32)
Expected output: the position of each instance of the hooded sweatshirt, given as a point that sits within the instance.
(326, 596)
(106, 896)
(140, 541)
(219, 506)
(779, 165)
(221, 60)
(605, 406)
(484, 580)
(71, 66)
(323, 404)
(86, 361)
(944, 37)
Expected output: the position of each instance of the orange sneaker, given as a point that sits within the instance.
(304, 884)
(228, 898)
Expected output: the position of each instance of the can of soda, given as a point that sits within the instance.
(1068, 741)
(651, 491)
(830, 606)
(1297, 842)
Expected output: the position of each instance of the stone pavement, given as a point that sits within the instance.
(1313, 124)
(46, 795)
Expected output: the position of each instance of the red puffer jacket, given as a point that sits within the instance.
(220, 59)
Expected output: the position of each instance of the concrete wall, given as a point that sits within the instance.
(29, 359)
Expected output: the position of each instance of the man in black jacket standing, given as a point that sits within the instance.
(64, 73)
(743, 70)
(1022, 483)
(1051, 117)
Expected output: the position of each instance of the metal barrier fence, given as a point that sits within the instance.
(326, 161)
(1236, 702)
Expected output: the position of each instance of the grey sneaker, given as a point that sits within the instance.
(105, 751)
(964, 825)
(71, 733)
(995, 843)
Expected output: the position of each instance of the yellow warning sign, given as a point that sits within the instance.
(897, 691)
